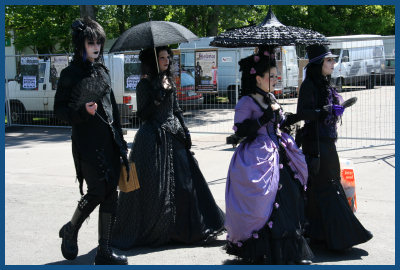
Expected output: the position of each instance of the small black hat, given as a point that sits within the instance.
(317, 52)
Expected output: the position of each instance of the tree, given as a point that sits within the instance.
(44, 29)
(88, 10)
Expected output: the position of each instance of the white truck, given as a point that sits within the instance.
(24, 105)
(361, 60)
(228, 79)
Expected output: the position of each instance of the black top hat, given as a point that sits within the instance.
(316, 53)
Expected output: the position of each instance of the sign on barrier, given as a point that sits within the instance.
(348, 182)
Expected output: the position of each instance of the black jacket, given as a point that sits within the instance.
(93, 141)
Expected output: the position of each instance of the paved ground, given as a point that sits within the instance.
(41, 195)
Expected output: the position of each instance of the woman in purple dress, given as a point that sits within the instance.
(267, 175)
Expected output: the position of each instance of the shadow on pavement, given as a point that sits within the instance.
(86, 259)
(145, 250)
(25, 136)
(322, 255)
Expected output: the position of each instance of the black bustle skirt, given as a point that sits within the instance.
(330, 217)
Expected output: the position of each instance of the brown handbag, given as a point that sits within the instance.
(133, 183)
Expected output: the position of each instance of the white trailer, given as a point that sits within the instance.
(24, 104)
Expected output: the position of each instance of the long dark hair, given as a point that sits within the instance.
(83, 29)
(149, 64)
(323, 83)
(251, 66)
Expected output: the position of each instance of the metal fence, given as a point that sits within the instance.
(370, 122)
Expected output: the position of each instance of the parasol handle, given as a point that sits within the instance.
(155, 53)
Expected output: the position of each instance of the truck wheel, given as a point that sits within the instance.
(370, 83)
(339, 84)
(18, 114)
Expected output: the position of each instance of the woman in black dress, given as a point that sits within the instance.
(173, 203)
(331, 220)
(85, 100)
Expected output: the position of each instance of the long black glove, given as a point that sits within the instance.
(249, 127)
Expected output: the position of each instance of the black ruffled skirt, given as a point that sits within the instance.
(281, 240)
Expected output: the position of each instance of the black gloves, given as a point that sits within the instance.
(267, 116)
(291, 118)
(248, 128)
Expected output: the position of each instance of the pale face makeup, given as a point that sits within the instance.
(92, 49)
(163, 60)
(268, 81)
(328, 66)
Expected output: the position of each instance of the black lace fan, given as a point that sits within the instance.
(90, 89)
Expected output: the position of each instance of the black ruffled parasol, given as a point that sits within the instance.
(269, 33)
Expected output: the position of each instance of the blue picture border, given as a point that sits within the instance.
(185, 2)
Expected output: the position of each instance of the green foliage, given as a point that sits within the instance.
(46, 29)
(340, 20)
(42, 28)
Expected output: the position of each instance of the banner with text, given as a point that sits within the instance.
(206, 71)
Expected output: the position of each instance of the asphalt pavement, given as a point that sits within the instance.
(41, 194)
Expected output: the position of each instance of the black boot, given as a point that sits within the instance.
(69, 234)
(105, 255)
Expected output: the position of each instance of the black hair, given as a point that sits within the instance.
(251, 66)
(148, 62)
(314, 73)
(86, 28)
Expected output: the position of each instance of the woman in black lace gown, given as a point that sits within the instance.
(331, 220)
(174, 203)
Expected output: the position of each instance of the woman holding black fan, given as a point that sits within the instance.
(85, 100)
(331, 220)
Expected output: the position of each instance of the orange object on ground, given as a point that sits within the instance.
(348, 182)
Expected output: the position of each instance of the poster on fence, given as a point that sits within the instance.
(57, 63)
(177, 68)
(206, 71)
(131, 71)
(29, 72)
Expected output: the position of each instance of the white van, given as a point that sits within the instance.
(361, 60)
(39, 102)
(228, 79)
